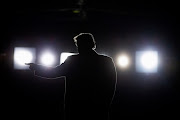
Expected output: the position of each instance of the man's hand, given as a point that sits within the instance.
(32, 66)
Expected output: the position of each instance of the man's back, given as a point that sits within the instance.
(90, 80)
(90, 85)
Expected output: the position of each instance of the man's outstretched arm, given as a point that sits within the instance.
(46, 72)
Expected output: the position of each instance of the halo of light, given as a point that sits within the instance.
(149, 60)
(47, 59)
(23, 55)
(123, 61)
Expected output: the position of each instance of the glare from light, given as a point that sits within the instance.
(123, 61)
(147, 61)
(64, 56)
(47, 59)
(23, 55)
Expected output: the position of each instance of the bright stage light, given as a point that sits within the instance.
(47, 59)
(147, 61)
(123, 61)
(64, 56)
(23, 55)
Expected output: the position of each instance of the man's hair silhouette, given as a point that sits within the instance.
(90, 80)
(85, 40)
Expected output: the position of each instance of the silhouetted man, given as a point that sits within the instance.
(90, 80)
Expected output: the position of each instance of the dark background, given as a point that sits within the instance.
(117, 27)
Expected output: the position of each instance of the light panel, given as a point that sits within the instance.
(23, 55)
(64, 56)
(47, 58)
(147, 61)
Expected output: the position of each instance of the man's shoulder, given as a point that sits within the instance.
(100, 56)
(71, 57)
(75, 55)
(105, 56)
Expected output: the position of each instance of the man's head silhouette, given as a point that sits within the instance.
(85, 42)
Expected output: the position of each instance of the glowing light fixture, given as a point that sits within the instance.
(123, 61)
(23, 55)
(64, 56)
(147, 61)
(47, 58)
